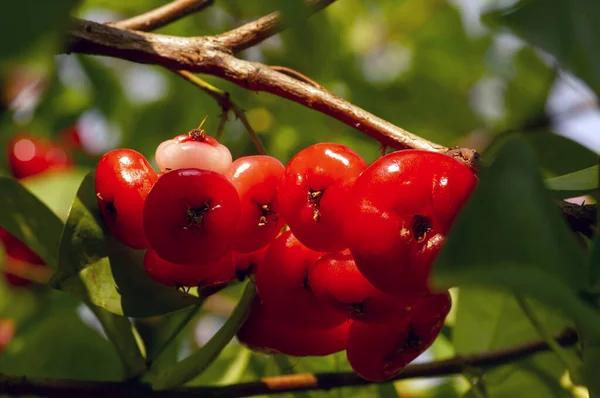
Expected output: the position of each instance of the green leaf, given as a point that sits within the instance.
(57, 344)
(511, 236)
(196, 363)
(97, 268)
(119, 331)
(559, 155)
(26, 22)
(581, 182)
(567, 29)
(488, 320)
(28, 218)
(56, 189)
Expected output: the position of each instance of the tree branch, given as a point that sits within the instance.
(207, 55)
(256, 32)
(13, 385)
(163, 15)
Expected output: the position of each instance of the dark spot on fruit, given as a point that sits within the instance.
(420, 225)
(195, 215)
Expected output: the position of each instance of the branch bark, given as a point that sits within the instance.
(163, 15)
(12, 385)
(257, 31)
(208, 55)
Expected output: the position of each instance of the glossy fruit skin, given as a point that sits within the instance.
(399, 212)
(29, 155)
(171, 274)
(314, 191)
(256, 179)
(190, 216)
(123, 180)
(379, 352)
(264, 332)
(335, 280)
(193, 151)
(281, 281)
(18, 255)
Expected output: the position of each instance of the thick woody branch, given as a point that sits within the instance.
(207, 55)
(255, 32)
(273, 385)
(163, 15)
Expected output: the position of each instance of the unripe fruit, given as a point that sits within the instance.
(264, 332)
(256, 179)
(313, 194)
(399, 212)
(123, 180)
(193, 150)
(190, 216)
(30, 155)
(282, 284)
(171, 274)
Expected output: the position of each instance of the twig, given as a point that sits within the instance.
(257, 31)
(207, 55)
(221, 127)
(163, 15)
(226, 104)
(14, 385)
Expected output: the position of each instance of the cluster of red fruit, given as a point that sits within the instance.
(350, 269)
(29, 156)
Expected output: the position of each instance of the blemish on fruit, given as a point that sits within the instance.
(420, 226)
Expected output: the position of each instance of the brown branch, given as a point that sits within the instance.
(163, 15)
(13, 385)
(257, 31)
(296, 75)
(206, 55)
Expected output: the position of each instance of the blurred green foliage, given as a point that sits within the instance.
(419, 64)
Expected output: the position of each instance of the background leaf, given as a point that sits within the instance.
(487, 320)
(27, 218)
(517, 240)
(58, 344)
(563, 28)
(196, 363)
(105, 272)
(581, 182)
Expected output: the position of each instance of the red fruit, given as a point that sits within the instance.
(171, 274)
(335, 280)
(379, 352)
(190, 216)
(18, 258)
(246, 264)
(193, 150)
(256, 179)
(70, 138)
(7, 331)
(264, 332)
(282, 284)
(399, 213)
(123, 179)
(29, 155)
(314, 193)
